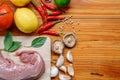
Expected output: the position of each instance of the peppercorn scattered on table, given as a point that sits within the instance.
(96, 23)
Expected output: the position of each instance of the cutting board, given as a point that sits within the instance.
(44, 51)
(98, 44)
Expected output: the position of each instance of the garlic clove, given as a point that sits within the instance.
(64, 77)
(69, 56)
(71, 70)
(54, 71)
(63, 68)
(60, 61)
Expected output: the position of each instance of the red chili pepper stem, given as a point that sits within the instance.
(33, 4)
(55, 22)
(50, 13)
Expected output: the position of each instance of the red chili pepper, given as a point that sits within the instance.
(49, 6)
(40, 11)
(49, 18)
(54, 13)
(50, 33)
(47, 26)
(44, 9)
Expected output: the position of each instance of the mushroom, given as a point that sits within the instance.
(70, 39)
(58, 46)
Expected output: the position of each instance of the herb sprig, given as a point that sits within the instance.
(9, 44)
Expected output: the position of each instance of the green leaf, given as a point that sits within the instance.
(38, 42)
(15, 46)
(8, 41)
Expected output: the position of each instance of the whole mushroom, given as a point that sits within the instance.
(69, 39)
(58, 46)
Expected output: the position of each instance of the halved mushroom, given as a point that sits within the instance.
(70, 39)
(58, 46)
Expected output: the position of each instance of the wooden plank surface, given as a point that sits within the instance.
(98, 32)
(95, 8)
(97, 50)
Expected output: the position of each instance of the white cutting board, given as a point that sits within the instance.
(45, 52)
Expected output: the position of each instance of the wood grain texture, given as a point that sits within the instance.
(98, 33)
(97, 50)
(95, 8)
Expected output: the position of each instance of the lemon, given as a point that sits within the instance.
(20, 2)
(25, 20)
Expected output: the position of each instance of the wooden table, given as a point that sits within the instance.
(97, 25)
